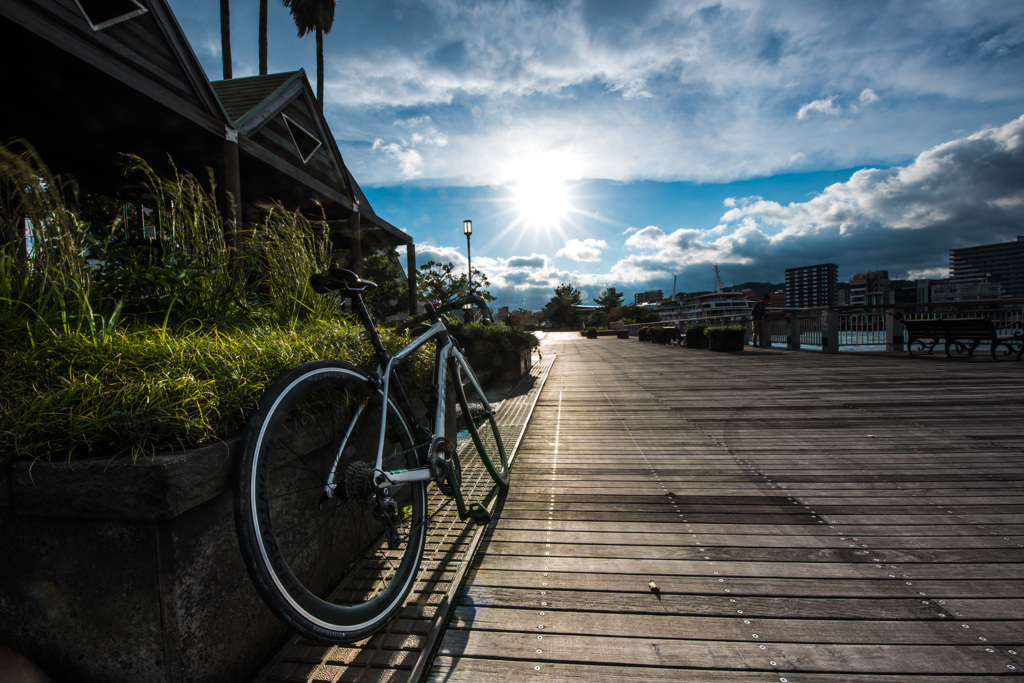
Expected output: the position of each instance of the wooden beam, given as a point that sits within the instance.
(410, 269)
(231, 192)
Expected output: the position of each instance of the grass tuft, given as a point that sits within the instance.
(122, 338)
(148, 391)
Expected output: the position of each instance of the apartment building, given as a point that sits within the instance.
(812, 286)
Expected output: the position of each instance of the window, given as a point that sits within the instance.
(104, 13)
(305, 142)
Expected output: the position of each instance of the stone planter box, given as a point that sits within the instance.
(663, 335)
(121, 572)
(725, 340)
(494, 364)
(695, 338)
(115, 571)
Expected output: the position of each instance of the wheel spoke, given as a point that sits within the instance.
(336, 546)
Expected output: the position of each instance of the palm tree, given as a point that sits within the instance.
(225, 37)
(318, 16)
(263, 37)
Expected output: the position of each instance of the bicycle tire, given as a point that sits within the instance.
(323, 565)
(470, 415)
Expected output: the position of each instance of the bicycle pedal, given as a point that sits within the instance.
(478, 514)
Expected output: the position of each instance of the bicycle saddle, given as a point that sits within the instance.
(338, 279)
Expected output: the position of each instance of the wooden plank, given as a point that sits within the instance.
(467, 670)
(768, 586)
(630, 597)
(791, 539)
(728, 655)
(841, 630)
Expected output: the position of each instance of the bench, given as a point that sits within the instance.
(962, 334)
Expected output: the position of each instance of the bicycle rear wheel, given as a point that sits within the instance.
(333, 566)
(473, 416)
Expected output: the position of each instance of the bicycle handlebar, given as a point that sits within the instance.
(434, 313)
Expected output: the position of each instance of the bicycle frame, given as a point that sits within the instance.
(386, 479)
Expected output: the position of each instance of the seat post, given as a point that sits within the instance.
(371, 330)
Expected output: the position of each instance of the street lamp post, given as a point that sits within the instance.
(467, 227)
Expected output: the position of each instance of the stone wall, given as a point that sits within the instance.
(114, 571)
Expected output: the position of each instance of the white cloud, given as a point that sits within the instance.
(826, 107)
(904, 219)
(410, 162)
(428, 252)
(413, 121)
(585, 250)
(927, 274)
(532, 261)
(946, 198)
(868, 96)
(632, 89)
(655, 90)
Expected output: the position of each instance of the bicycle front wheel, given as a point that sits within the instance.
(473, 418)
(325, 555)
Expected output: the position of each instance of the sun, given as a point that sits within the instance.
(541, 191)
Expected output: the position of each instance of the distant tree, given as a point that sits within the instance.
(611, 298)
(438, 282)
(635, 314)
(225, 37)
(392, 292)
(315, 16)
(561, 311)
(263, 37)
(598, 319)
(517, 318)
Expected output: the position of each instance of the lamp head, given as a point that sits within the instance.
(467, 227)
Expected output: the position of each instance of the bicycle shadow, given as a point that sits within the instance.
(463, 607)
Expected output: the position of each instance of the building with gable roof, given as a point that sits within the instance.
(87, 80)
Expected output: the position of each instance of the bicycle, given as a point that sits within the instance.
(331, 486)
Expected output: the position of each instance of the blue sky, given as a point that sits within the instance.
(608, 143)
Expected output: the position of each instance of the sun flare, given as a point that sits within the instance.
(540, 189)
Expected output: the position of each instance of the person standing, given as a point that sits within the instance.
(757, 313)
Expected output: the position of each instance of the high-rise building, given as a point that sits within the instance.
(812, 286)
(1004, 261)
(870, 289)
(651, 297)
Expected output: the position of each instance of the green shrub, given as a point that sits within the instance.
(591, 333)
(501, 335)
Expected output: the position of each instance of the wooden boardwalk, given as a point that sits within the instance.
(805, 517)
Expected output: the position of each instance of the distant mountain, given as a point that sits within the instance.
(760, 288)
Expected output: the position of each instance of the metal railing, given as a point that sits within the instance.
(850, 329)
